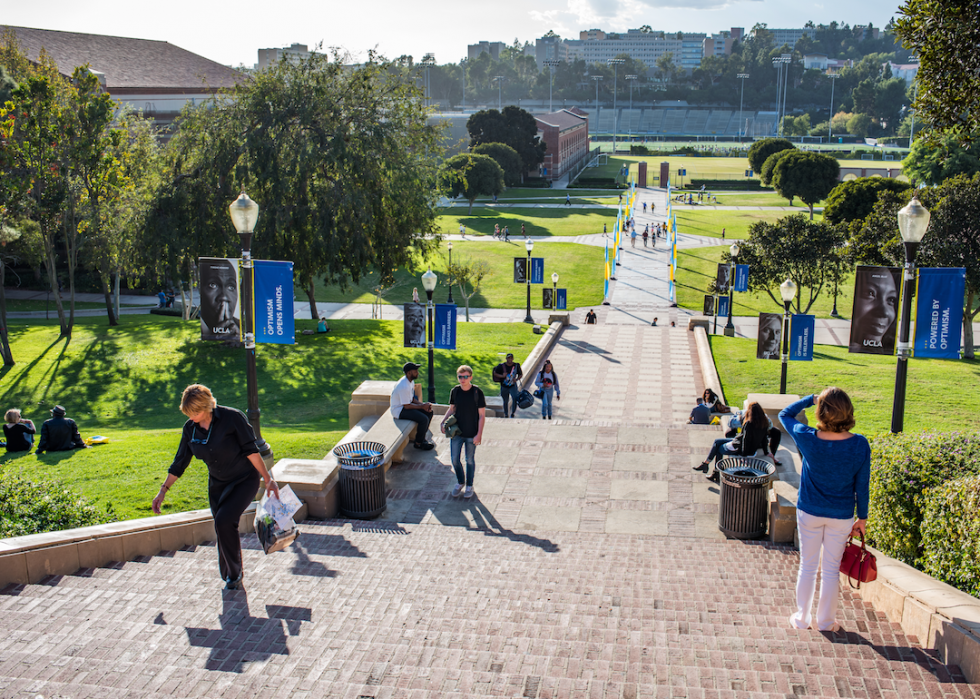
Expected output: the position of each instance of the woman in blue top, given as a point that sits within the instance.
(835, 479)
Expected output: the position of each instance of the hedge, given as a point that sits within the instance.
(951, 534)
(33, 507)
(904, 469)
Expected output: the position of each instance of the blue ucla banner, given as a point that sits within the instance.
(741, 277)
(274, 321)
(537, 270)
(445, 326)
(801, 330)
(723, 305)
(562, 302)
(939, 318)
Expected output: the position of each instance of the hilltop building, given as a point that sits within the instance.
(293, 53)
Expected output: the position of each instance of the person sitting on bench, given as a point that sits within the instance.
(405, 405)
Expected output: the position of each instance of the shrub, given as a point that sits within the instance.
(639, 149)
(903, 468)
(33, 507)
(951, 534)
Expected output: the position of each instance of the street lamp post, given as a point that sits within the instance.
(730, 327)
(500, 100)
(529, 246)
(597, 78)
(631, 79)
(913, 221)
(244, 214)
(788, 291)
(429, 284)
(615, 63)
(551, 90)
(554, 291)
(741, 101)
(830, 125)
(450, 299)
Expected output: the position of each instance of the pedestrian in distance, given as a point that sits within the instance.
(633, 238)
(654, 323)
(60, 433)
(405, 405)
(18, 431)
(646, 237)
(523, 231)
(834, 481)
(604, 231)
(506, 233)
(223, 439)
(547, 381)
(469, 406)
(590, 317)
(496, 231)
(722, 233)
(508, 373)
(644, 207)
(568, 200)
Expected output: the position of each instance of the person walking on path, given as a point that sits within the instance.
(590, 317)
(568, 200)
(507, 374)
(547, 381)
(405, 405)
(60, 433)
(468, 404)
(633, 238)
(223, 439)
(646, 237)
(18, 431)
(835, 478)
(523, 231)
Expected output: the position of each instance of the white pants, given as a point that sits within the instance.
(831, 536)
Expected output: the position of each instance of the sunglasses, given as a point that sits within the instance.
(463, 376)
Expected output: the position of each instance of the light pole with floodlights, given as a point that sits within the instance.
(730, 327)
(830, 127)
(741, 101)
(429, 284)
(913, 221)
(244, 214)
(597, 78)
(500, 100)
(631, 79)
(788, 291)
(529, 246)
(551, 90)
(554, 291)
(450, 299)
(615, 63)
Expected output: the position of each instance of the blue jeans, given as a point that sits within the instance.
(547, 396)
(508, 393)
(719, 450)
(455, 449)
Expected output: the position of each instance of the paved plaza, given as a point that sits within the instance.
(589, 565)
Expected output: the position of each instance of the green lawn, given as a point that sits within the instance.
(538, 222)
(580, 269)
(125, 383)
(931, 401)
(26, 306)
(760, 199)
(543, 192)
(696, 268)
(709, 222)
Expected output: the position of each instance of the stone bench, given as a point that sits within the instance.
(563, 318)
(695, 322)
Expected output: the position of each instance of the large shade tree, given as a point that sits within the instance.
(854, 199)
(809, 176)
(471, 175)
(512, 126)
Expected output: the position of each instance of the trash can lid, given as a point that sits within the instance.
(742, 470)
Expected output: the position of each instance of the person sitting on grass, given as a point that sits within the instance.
(60, 433)
(18, 431)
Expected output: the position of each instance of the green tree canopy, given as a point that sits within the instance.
(931, 162)
(512, 126)
(506, 157)
(859, 125)
(760, 151)
(853, 200)
(471, 175)
(765, 174)
(809, 176)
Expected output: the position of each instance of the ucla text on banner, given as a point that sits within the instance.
(537, 270)
(723, 305)
(274, 322)
(562, 301)
(939, 317)
(445, 326)
(801, 328)
(741, 277)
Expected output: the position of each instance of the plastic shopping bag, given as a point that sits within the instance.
(274, 523)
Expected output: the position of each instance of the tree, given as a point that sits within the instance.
(506, 157)
(809, 176)
(765, 174)
(853, 200)
(791, 248)
(666, 69)
(471, 175)
(932, 162)
(944, 35)
(762, 149)
(512, 126)
(8, 234)
(859, 125)
(467, 273)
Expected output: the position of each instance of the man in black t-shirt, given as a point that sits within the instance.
(507, 374)
(590, 317)
(469, 406)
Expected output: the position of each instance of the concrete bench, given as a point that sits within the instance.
(695, 322)
(563, 318)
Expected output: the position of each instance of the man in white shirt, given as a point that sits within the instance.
(406, 406)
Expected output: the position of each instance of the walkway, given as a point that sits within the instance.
(588, 565)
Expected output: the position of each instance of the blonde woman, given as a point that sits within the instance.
(223, 439)
(18, 431)
(834, 481)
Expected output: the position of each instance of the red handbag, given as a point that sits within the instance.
(858, 563)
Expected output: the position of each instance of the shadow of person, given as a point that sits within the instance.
(484, 521)
(243, 638)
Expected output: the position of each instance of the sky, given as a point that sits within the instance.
(232, 34)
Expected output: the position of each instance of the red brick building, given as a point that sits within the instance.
(567, 137)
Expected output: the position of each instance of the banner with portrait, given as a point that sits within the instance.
(874, 317)
(723, 278)
(770, 336)
(709, 305)
(220, 309)
(414, 325)
(520, 270)
(445, 326)
(741, 277)
(939, 317)
(274, 318)
(561, 300)
(547, 298)
(801, 329)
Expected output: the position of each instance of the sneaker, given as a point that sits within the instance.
(469, 492)
(235, 584)
(457, 490)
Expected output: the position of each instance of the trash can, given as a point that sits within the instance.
(362, 479)
(743, 510)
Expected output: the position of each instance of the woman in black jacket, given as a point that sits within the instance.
(754, 436)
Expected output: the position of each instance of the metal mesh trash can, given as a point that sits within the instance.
(362, 479)
(743, 509)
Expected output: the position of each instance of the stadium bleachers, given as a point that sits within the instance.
(674, 121)
(696, 121)
(629, 120)
(717, 123)
(680, 121)
(607, 120)
(652, 121)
